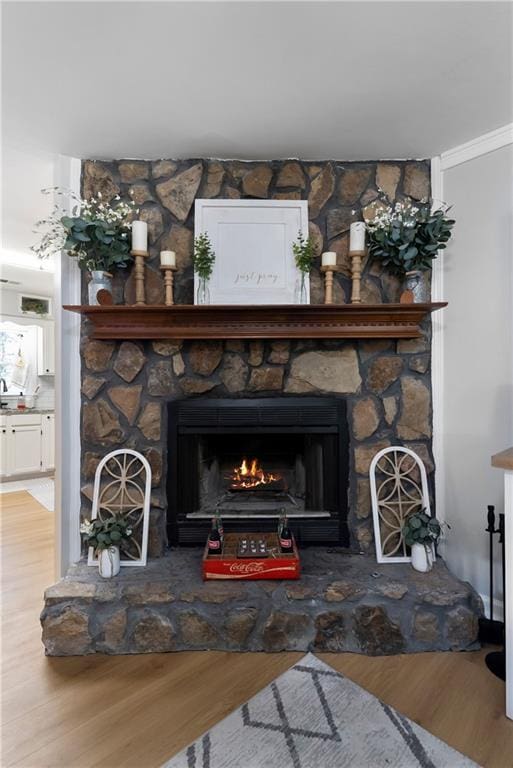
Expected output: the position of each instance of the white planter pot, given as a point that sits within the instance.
(109, 562)
(99, 281)
(422, 557)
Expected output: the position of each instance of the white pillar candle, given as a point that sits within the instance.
(329, 259)
(357, 236)
(168, 259)
(139, 236)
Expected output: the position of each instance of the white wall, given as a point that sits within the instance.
(67, 392)
(477, 356)
(24, 175)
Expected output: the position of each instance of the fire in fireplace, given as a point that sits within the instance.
(241, 487)
(250, 475)
(253, 459)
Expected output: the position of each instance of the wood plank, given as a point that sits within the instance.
(503, 460)
(297, 321)
(123, 711)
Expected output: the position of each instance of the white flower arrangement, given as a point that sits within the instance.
(86, 526)
(407, 235)
(96, 232)
(403, 212)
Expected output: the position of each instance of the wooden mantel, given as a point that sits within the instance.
(295, 321)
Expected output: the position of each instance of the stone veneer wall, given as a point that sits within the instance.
(125, 385)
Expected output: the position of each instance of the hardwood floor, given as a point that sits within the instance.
(132, 711)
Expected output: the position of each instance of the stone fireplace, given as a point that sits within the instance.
(251, 459)
(386, 385)
(254, 426)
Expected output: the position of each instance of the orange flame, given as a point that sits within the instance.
(251, 475)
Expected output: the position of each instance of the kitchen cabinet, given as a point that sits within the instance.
(27, 444)
(4, 463)
(46, 348)
(24, 445)
(47, 441)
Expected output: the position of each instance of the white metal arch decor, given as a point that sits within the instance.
(122, 486)
(401, 491)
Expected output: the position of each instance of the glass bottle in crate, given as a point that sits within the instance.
(286, 538)
(219, 525)
(281, 521)
(215, 546)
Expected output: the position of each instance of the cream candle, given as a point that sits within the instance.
(357, 236)
(329, 259)
(168, 259)
(139, 236)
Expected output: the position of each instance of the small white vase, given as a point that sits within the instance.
(422, 557)
(109, 562)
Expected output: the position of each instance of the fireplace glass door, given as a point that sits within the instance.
(252, 460)
(261, 475)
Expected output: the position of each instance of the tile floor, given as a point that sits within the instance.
(42, 489)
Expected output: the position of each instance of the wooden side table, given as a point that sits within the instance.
(504, 461)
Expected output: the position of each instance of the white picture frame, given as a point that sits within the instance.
(22, 297)
(122, 492)
(252, 241)
(400, 494)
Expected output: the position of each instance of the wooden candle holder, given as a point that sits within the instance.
(328, 281)
(356, 273)
(139, 256)
(168, 282)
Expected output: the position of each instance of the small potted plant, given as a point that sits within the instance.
(203, 259)
(106, 536)
(97, 234)
(405, 238)
(421, 533)
(303, 250)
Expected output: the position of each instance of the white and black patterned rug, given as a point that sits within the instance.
(313, 717)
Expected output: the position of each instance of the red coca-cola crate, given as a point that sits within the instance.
(229, 565)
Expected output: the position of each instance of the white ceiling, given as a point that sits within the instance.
(32, 281)
(342, 80)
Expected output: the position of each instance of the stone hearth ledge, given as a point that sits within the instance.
(338, 605)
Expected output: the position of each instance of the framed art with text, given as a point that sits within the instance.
(252, 240)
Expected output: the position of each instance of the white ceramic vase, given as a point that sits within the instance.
(422, 557)
(109, 562)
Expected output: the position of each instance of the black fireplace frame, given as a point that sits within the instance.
(192, 417)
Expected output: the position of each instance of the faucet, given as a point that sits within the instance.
(4, 385)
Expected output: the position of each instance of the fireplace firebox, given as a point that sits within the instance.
(252, 459)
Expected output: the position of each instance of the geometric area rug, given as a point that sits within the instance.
(313, 717)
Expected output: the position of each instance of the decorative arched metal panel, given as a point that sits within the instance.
(398, 485)
(122, 486)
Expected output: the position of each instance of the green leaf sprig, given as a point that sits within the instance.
(102, 534)
(421, 529)
(303, 251)
(204, 256)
